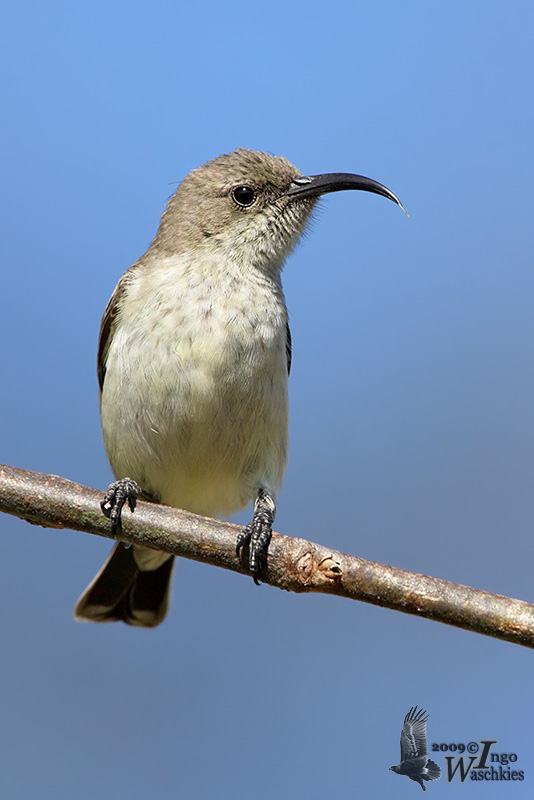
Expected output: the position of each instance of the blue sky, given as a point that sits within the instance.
(412, 435)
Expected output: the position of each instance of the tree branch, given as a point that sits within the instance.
(294, 564)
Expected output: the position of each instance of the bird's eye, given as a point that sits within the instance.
(244, 196)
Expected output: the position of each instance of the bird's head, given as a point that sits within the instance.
(250, 204)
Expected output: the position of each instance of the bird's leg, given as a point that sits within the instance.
(124, 491)
(257, 534)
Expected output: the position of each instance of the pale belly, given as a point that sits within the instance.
(197, 427)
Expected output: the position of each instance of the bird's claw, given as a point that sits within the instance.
(256, 536)
(124, 491)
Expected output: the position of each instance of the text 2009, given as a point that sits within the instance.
(451, 748)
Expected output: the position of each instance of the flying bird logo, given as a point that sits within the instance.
(414, 761)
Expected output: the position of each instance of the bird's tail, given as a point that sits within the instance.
(433, 772)
(123, 591)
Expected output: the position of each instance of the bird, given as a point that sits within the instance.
(414, 761)
(193, 362)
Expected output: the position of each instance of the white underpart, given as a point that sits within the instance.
(194, 408)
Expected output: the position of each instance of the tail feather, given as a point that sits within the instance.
(122, 591)
(433, 771)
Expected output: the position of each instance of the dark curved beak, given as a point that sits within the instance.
(316, 185)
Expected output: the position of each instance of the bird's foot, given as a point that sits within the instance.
(257, 535)
(124, 491)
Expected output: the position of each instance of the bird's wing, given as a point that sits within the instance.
(288, 348)
(108, 324)
(413, 741)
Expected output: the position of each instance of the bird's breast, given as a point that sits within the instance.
(194, 402)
